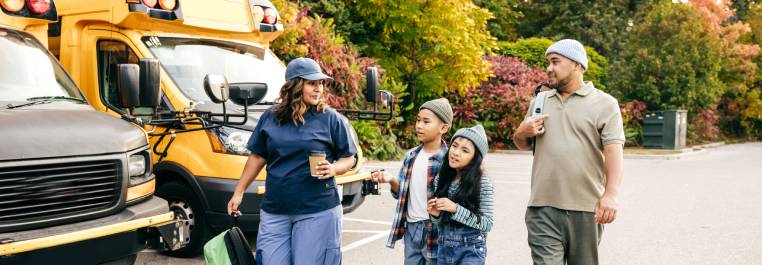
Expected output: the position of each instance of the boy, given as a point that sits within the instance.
(413, 187)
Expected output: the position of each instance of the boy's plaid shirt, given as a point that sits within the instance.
(398, 226)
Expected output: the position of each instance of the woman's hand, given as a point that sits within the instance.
(445, 204)
(432, 208)
(325, 170)
(233, 204)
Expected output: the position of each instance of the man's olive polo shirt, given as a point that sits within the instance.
(568, 172)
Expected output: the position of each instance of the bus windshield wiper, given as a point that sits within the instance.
(55, 98)
(37, 102)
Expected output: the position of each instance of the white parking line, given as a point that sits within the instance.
(377, 234)
(366, 221)
(365, 231)
(364, 241)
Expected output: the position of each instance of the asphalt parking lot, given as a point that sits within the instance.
(700, 209)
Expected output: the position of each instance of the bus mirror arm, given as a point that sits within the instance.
(386, 102)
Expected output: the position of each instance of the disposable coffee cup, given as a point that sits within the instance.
(315, 158)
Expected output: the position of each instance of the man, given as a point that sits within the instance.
(577, 166)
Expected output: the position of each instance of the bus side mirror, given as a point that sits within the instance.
(128, 84)
(371, 84)
(216, 87)
(247, 94)
(150, 89)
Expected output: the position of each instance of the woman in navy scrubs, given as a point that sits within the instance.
(300, 216)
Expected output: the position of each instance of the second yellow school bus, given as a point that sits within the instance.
(197, 173)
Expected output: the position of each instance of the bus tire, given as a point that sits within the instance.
(184, 203)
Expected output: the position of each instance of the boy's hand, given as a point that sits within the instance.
(532, 126)
(445, 204)
(381, 176)
(432, 208)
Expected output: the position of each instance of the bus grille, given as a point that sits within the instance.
(58, 190)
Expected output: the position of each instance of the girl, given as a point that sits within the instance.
(463, 206)
(300, 215)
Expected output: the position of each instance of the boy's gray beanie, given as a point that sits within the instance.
(441, 107)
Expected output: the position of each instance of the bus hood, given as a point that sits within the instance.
(63, 130)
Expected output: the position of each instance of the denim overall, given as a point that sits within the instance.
(460, 244)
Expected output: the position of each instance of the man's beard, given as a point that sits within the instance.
(560, 83)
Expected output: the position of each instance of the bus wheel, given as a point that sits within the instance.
(184, 203)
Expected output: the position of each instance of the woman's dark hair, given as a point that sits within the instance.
(290, 106)
(470, 183)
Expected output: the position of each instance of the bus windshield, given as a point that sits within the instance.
(188, 60)
(28, 72)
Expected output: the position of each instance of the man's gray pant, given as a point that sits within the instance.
(559, 237)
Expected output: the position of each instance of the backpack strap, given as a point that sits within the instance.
(537, 110)
(539, 103)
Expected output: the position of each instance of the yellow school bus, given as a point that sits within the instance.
(197, 164)
(72, 179)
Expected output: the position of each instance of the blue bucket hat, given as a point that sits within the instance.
(305, 68)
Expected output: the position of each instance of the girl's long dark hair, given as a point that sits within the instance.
(470, 183)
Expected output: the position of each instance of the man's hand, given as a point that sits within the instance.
(606, 209)
(532, 126)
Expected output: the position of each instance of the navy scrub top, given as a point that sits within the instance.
(290, 189)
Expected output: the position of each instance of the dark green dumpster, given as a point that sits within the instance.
(665, 129)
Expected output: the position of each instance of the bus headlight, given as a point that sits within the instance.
(229, 140)
(142, 182)
(137, 165)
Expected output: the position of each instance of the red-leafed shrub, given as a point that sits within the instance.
(501, 102)
(704, 127)
(632, 117)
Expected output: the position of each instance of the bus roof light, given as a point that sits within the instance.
(12, 5)
(150, 3)
(258, 14)
(39, 7)
(270, 16)
(168, 5)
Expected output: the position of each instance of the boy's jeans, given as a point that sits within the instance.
(461, 245)
(415, 244)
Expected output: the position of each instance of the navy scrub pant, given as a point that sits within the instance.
(300, 239)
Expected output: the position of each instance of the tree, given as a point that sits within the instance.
(287, 46)
(738, 67)
(506, 16)
(671, 60)
(754, 19)
(601, 24)
(433, 47)
(742, 8)
(346, 24)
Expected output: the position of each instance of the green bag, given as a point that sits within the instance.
(229, 248)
